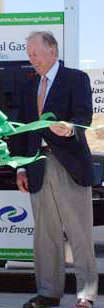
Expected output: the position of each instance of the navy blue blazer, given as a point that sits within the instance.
(70, 99)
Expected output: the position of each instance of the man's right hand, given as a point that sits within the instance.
(22, 181)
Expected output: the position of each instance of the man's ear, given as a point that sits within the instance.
(53, 51)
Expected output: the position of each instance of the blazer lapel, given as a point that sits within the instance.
(53, 92)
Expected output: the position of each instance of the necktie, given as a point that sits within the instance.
(41, 96)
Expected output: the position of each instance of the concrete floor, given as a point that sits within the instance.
(8, 300)
(16, 300)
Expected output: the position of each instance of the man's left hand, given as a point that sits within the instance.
(62, 129)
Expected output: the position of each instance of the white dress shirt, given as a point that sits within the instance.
(51, 74)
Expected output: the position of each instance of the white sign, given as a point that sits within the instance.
(97, 85)
(15, 28)
(95, 138)
(16, 226)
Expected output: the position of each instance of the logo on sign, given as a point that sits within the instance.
(13, 214)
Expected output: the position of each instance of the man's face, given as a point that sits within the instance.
(41, 56)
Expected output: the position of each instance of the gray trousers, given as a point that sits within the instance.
(62, 203)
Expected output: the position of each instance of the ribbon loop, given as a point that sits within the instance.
(12, 128)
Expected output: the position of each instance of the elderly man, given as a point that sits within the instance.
(60, 185)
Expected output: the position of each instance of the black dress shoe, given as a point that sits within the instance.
(42, 302)
(84, 303)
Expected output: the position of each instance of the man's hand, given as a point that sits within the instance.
(22, 181)
(100, 134)
(62, 129)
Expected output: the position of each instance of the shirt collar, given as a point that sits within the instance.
(53, 71)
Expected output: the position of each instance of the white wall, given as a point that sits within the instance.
(33, 6)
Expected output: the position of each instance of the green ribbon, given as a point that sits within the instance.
(8, 128)
(90, 127)
(17, 161)
(12, 128)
